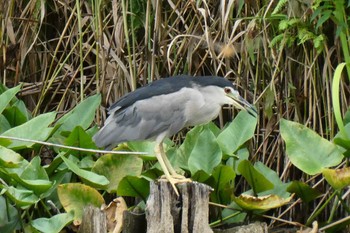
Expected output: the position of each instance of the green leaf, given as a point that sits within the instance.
(74, 197)
(206, 153)
(279, 188)
(202, 177)
(224, 177)
(307, 150)
(233, 214)
(90, 177)
(303, 191)
(187, 146)
(240, 155)
(343, 139)
(335, 96)
(134, 186)
(4, 125)
(15, 116)
(23, 198)
(7, 96)
(9, 158)
(34, 170)
(237, 133)
(54, 224)
(37, 186)
(116, 167)
(9, 217)
(143, 146)
(83, 115)
(79, 138)
(35, 129)
(255, 179)
(34, 177)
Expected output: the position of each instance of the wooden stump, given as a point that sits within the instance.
(94, 221)
(167, 213)
(134, 222)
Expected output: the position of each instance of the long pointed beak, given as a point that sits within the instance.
(240, 102)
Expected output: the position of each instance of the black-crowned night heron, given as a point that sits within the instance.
(162, 108)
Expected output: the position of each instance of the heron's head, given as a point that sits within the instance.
(234, 98)
(221, 91)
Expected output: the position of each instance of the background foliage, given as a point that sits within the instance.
(63, 62)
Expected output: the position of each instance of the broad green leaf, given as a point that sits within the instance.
(134, 186)
(264, 203)
(7, 96)
(9, 217)
(307, 150)
(4, 124)
(240, 130)
(35, 129)
(9, 158)
(38, 186)
(33, 177)
(255, 179)
(92, 178)
(303, 191)
(337, 178)
(14, 116)
(83, 115)
(23, 198)
(233, 214)
(202, 177)
(75, 196)
(279, 188)
(224, 177)
(116, 167)
(213, 128)
(240, 155)
(54, 224)
(152, 174)
(343, 139)
(206, 153)
(34, 170)
(79, 138)
(144, 146)
(187, 146)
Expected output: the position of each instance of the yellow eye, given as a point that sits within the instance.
(227, 90)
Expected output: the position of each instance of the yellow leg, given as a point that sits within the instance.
(169, 171)
(178, 177)
(158, 151)
(166, 161)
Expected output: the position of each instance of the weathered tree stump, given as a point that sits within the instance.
(134, 222)
(167, 213)
(94, 221)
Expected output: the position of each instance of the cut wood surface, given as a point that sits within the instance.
(189, 212)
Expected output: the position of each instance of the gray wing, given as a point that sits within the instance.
(145, 119)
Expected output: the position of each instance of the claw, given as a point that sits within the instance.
(169, 172)
(175, 179)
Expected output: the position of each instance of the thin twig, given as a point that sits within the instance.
(73, 147)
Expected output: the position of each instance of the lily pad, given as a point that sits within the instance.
(337, 178)
(75, 196)
(264, 203)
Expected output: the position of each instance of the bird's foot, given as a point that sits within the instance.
(175, 179)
